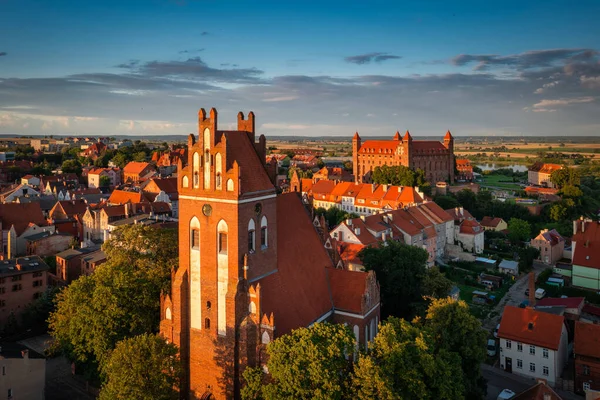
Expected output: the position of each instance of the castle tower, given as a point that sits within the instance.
(449, 141)
(227, 237)
(358, 172)
(449, 144)
(407, 147)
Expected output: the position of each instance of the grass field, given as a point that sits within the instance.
(495, 180)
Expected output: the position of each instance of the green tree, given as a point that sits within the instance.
(467, 199)
(120, 159)
(526, 257)
(456, 330)
(435, 283)
(120, 300)
(446, 202)
(35, 316)
(558, 212)
(71, 166)
(140, 156)
(397, 175)
(104, 181)
(308, 363)
(404, 363)
(571, 191)
(400, 269)
(142, 367)
(518, 230)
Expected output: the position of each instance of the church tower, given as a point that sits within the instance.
(358, 171)
(227, 237)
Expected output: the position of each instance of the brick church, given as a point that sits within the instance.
(433, 157)
(253, 265)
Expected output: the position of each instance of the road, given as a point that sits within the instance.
(514, 296)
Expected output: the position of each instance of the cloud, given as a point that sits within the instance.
(281, 98)
(549, 105)
(370, 57)
(546, 86)
(205, 33)
(523, 61)
(3, 53)
(190, 51)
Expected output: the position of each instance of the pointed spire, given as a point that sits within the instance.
(448, 136)
(356, 137)
(397, 136)
(407, 136)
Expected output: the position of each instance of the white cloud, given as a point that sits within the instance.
(281, 98)
(591, 82)
(562, 102)
(546, 86)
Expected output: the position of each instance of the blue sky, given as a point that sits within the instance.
(305, 68)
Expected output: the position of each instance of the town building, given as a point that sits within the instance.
(22, 280)
(509, 267)
(572, 306)
(333, 174)
(18, 221)
(13, 193)
(464, 169)
(163, 190)
(493, 224)
(46, 244)
(586, 254)
(113, 176)
(23, 372)
(467, 231)
(539, 174)
(94, 151)
(550, 244)
(533, 343)
(69, 263)
(586, 350)
(252, 266)
(135, 171)
(436, 159)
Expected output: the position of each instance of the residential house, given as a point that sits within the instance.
(46, 244)
(468, 232)
(118, 197)
(539, 391)
(31, 180)
(23, 372)
(164, 190)
(12, 194)
(91, 261)
(550, 244)
(509, 267)
(573, 306)
(586, 254)
(113, 176)
(46, 203)
(586, 350)
(533, 343)
(136, 171)
(539, 174)
(283, 160)
(304, 161)
(94, 151)
(67, 216)
(22, 280)
(95, 222)
(333, 174)
(493, 224)
(19, 221)
(68, 262)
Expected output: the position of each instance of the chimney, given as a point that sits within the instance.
(385, 188)
(383, 236)
(532, 289)
(357, 231)
(349, 222)
(462, 211)
(574, 227)
(582, 226)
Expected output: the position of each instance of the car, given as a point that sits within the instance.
(491, 347)
(540, 294)
(524, 304)
(496, 330)
(506, 394)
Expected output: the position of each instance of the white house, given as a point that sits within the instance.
(21, 190)
(509, 267)
(533, 343)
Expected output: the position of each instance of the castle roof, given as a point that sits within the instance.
(397, 136)
(407, 136)
(448, 136)
(376, 146)
(356, 136)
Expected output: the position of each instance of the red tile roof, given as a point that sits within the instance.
(300, 278)
(21, 215)
(349, 252)
(123, 196)
(167, 185)
(587, 247)
(254, 176)
(587, 339)
(491, 222)
(546, 329)
(409, 195)
(307, 184)
(135, 167)
(73, 207)
(347, 289)
(439, 212)
(448, 136)
(568, 302)
(114, 211)
(376, 146)
(552, 237)
(539, 391)
(590, 309)
(424, 145)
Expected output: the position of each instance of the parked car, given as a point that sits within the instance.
(491, 347)
(540, 293)
(506, 394)
(496, 330)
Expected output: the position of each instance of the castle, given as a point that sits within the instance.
(253, 265)
(436, 159)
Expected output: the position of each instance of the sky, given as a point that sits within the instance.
(310, 68)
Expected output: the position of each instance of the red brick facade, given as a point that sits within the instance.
(435, 158)
(251, 264)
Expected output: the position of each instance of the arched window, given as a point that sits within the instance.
(206, 323)
(252, 308)
(196, 169)
(218, 181)
(218, 166)
(168, 313)
(230, 185)
(356, 331)
(222, 277)
(264, 240)
(206, 169)
(251, 236)
(266, 339)
(208, 305)
(185, 182)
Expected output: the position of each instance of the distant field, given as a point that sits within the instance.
(495, 181)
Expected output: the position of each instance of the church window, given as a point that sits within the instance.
(195, 239)
(208, 305)
(218, 181)
(230, 185)
(168, 313)
(222, 242)
(252, 308)
(185, 182)
(206, 323)
(251, 236)
(264, 243)
(266, 339)
(196, 169)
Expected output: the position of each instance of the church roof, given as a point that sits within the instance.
(298, 293)
(448, 136)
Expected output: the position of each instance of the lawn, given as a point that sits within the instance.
(499, 181)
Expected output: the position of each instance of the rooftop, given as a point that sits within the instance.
(532, 327)
(21, 265)
(587, 339)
